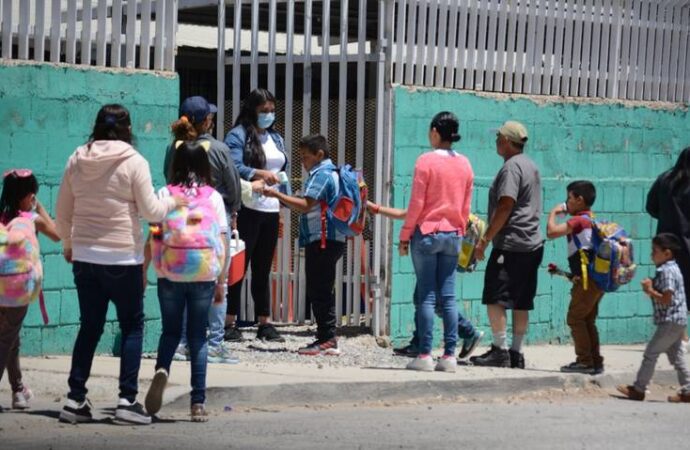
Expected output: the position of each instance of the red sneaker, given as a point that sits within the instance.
(329, 347)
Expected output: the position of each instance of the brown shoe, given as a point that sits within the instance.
(199, 413)
(680, 398)
(631, 392)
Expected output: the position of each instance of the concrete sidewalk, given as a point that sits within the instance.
(315, 381)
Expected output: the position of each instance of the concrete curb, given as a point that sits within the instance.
(320, 393)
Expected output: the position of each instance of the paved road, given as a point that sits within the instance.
(579, 422)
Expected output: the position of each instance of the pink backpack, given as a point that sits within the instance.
(187, 246)
(21, 271)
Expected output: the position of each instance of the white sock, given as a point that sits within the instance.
(500, 340)
(517, 342)
(124, 402)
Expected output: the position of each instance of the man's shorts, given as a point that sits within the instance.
(511, 279)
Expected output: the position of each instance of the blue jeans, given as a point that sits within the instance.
(97, 285)
(435, 257)
(196, 299)
(216, 324)
(465, 328)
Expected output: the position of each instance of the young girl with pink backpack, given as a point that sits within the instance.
(188, 252)
(21, 272)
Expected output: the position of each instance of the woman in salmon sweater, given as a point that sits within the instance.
(435, 223)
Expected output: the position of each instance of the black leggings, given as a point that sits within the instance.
(259, 230)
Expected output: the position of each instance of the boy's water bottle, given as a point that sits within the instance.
(564, 210)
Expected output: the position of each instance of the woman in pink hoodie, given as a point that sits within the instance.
(105, 189)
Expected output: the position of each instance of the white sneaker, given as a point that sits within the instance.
(422, 363)
(446, 364)
(20, 400)
(74, 412)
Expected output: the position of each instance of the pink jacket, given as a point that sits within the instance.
(441, 194)
(105, 188)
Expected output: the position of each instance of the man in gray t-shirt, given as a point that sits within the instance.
(510, 281)
(519, 180)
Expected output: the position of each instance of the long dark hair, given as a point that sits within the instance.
(190, 165)
(112, 124)
(679, 176)
(254, 155)
(14, 190)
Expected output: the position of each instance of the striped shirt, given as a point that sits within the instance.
(669, 278)
(322, 185)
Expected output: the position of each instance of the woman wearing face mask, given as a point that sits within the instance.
(259, 154)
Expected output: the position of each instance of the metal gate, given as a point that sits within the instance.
(327, 62)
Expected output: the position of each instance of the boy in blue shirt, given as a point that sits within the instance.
(667, 293)
(323, 245)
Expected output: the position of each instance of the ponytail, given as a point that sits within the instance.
(184, 130)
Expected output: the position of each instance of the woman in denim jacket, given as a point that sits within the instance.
(258, 152)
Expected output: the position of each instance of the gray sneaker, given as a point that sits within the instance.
(181, 353)
(470, 345)
(221, 355)
(576, 367)
(425, 364)
(446, 365)
(131, 413)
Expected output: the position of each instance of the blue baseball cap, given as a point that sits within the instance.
(197, 108)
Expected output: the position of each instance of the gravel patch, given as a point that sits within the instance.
(358, 349)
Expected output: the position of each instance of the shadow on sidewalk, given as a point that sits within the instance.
(55, 414)
(51, 414)
(624, 398)
(468, 365)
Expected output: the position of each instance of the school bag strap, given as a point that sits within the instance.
(44, 310)
(324, 219)
(201, 191)
(584, 257)
(324, 223)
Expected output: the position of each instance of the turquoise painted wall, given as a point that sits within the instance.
(620, 148)
(46, 111)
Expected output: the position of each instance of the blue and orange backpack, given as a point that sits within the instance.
(348, 210)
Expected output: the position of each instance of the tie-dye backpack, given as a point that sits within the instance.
(21, 271)
(187, 245)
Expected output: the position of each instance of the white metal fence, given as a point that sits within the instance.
(114, 33)
(628, 49)
(355, 304)
(313, 26)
